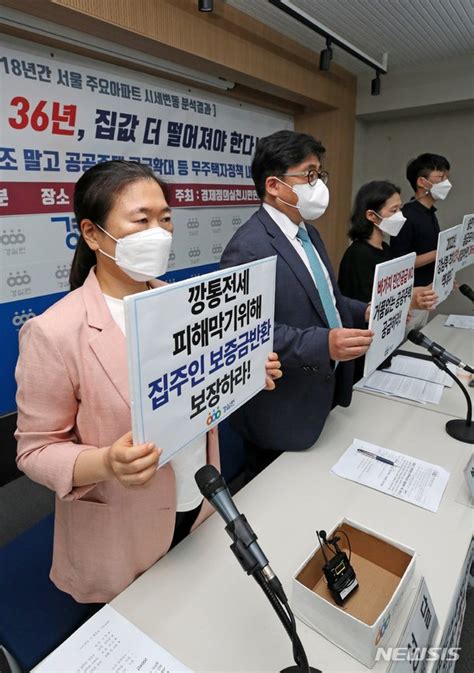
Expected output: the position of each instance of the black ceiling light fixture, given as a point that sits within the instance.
(325, 57)
(206, 5)
(333, 40)
(375, 84)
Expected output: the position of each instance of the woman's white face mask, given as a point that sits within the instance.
(142, 255)
(391, 225)
(312, 200)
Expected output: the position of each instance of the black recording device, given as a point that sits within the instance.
(339, 573)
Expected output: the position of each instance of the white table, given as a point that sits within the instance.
(459, 342)
(199, 604)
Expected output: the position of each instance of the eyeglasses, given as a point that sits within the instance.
(312, 175)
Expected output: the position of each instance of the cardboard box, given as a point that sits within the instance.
(365, 621)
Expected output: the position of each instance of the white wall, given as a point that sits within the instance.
(389, 133)
(420, 86)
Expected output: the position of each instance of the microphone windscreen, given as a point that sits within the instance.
(209, 480)
(415, 337)
(467, 291)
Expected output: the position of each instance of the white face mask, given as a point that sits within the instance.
(391, 225)
(312, 200)
(440, 190)
(143, 255)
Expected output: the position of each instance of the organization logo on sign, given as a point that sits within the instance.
(18, 278)
(213, 416)
(20, 317)
(217, 249)
(62, 271)
(12, 238)
(216, 223)
(382, 629)
(193, 225)
(236, 222)
(194, 253)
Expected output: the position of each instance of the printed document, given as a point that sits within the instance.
(109, 643)
(463, 321)
(417, 368)
(410, 479)
(405, 387)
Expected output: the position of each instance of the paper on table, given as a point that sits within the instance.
(402, 386)
(412, 480)
(463, 321)
(108, 642)
(420, 369)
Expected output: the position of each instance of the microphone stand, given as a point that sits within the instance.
(459, 429)
(243, 536)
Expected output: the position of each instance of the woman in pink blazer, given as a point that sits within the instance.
(116, 514)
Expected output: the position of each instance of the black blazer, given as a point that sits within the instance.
(292, 417)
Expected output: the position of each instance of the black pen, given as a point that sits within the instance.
(376, 457)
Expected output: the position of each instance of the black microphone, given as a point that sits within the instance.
(467, 291)
(214, 488)
(418, 338)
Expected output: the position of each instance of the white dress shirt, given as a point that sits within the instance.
(290, 229)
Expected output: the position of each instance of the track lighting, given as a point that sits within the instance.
(325, 56)
(206, 5)
(375, 85)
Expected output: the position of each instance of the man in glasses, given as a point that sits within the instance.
(318, 332)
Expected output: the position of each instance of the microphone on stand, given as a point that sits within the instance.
(418, 338)
(459, 429)
(467, 291)
(251, 557)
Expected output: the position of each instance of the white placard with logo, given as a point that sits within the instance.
(466, 242)
(412, 653)
(197, 351)
(469, 475)
(446, 261)
(391, 297)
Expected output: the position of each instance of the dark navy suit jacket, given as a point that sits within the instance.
(292, 417)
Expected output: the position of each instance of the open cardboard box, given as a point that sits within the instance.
(364, 622)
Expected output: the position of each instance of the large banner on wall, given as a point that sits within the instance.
(62, 114)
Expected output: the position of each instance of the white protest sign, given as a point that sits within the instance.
(197, 351)
(446, 261)
(418, 635)
(466, 242)
(391, 297)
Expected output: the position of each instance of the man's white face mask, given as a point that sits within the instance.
(312, 200)
(142, 255)
(440, 190)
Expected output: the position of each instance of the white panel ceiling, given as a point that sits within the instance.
(411, 31)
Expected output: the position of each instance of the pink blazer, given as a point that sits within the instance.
(73, 396)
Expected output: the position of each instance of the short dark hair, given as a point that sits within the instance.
(371, 196)
(423, 165)
(94, 196)
(275, 154)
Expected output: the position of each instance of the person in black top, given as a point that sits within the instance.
(428, 176)
(377, 211)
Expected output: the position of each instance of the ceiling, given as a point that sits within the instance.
(411, 31)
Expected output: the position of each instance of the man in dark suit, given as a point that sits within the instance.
(318, 332)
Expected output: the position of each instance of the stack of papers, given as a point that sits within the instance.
(463, 321)
(410, 379)
(109, 643)
(409, 479)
